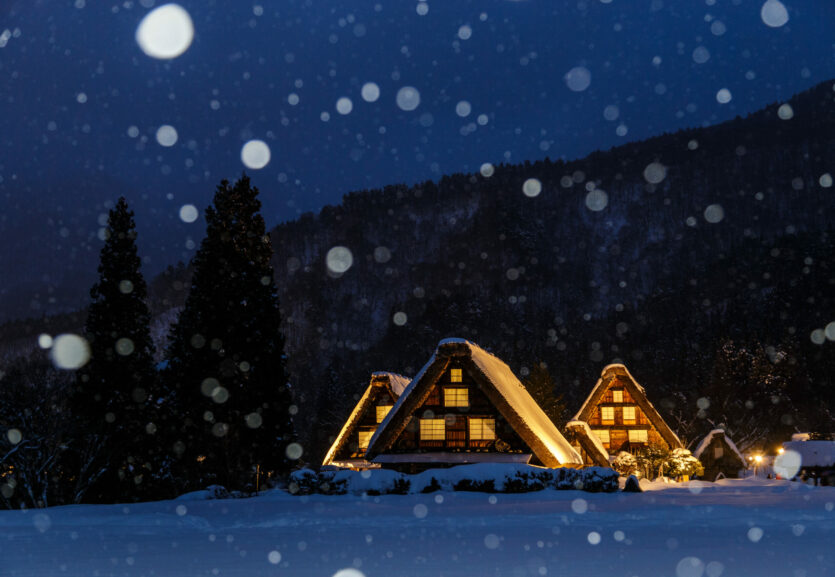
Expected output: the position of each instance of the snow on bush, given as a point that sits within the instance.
(482, 477)
(625, 464)
(681, 463)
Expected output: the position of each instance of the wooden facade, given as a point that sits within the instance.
(620, 415)
(348, 449)
(466, 406)
(581, 438)
(719, 456)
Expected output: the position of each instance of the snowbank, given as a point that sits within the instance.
(483, 477)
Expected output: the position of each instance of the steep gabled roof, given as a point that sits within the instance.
(581, 431)
(499, 385)
(705, 443)
(392, 382)
(637, 392)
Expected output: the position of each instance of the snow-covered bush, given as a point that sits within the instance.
(652, 459)
(681, 462)
(304, 482)
(625, 463)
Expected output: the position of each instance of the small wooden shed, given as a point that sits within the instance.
(719, 456)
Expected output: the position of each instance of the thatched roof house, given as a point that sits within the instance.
(466, 406)
(620, 415)
(719, 455)
(348, 449)
(586, 443)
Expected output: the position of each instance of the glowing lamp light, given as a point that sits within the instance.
(758, 459)
(780, 451)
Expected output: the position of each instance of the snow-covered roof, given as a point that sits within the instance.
(392, 381)
(813, 453)
(705, 443)
(460, 458)
(638, 392)
(508, 395)
(586, 430)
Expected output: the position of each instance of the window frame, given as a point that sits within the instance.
(637, 432)
(482, 426)
(598, 432)
(388, 409)
(360, 435)
(617, 393)
(430, 427)
(456, 375)
(629, 420)
(611, 412)
(452, 397)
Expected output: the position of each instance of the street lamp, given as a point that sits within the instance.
(757, 460)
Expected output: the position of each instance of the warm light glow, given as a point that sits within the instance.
(780, 451)
(482, 429)
(608, 415)
(432, 430)
(365, 439)
(455, 376)
(456, 397)
(382, 411)
(758, 459)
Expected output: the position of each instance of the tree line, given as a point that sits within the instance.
(217, 410)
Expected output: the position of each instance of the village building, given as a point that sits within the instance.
(719, 456)
(620, 415)
(348, 449)
(467, 406)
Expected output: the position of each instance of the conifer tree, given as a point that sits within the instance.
(112, 402)
(226, 380)
(541, 386)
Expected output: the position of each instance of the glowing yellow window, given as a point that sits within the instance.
(602, 434)
(455, 376)
(382, 411)
(629, 415)
(364, 439)
(637, 436)
(456, 397)
(432, 430)
(482, 429)
(617, 396)
(608, 415)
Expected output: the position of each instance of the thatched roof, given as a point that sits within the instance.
(618, 371)
(395, 384)
(502, 389)
(717, 435)
(581, 432)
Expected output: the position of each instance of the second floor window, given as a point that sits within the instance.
(432, 430)
(455, 376)
(456, 397)
(608, 415)
(628, 415)
(382, 411)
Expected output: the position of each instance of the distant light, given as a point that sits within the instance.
(167, 135)
(532, 187)
(578, 79)
(758, 458)
(780, 450)
(188, 213)
(370, 92)
(714, 213)
(723, 96)
(165, 32)
(255, 154)
(69, 352)
(339, 259)
(344, 105)
(774, 14)
(408, 98)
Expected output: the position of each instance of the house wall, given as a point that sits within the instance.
(728, 464)
(457, 436)
(618, 428)
(367, 424)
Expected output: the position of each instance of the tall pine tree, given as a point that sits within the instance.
(227, 387)
(113, 403)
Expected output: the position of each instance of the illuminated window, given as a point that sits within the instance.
(602, 434)
(382, 411)
(482, 429)
(455, 376)
(364, 439)
(718, 452)
(456, 397)
(617, 396)
(628, 415)
(637, 435)
(608, 415)
(432, 430)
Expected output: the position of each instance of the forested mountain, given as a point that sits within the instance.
(702, 259)
(701, 243)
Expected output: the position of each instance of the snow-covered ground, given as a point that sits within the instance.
(733, 528)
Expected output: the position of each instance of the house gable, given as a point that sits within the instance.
(495, 414)
(620, 415)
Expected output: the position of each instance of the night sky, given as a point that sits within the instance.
(82, 104)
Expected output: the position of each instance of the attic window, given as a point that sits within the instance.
(602, 434)
(456, 397)
(432, 430)
(456, 376)
(608, 415)
(617, 396)
(382, 411)
(628, 415)
(718, 452)
(482, 429)
(637, 435)
(364, 439)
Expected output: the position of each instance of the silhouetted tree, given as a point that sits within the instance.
(541, 386)
(229, 401)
